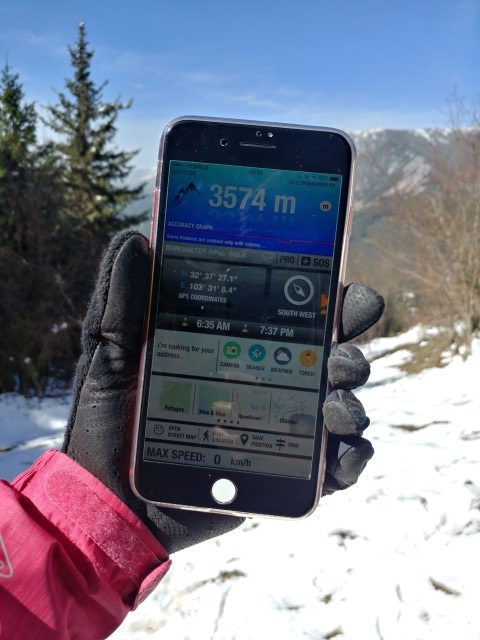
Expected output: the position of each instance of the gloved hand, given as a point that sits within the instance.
(99, 430)
(344, 415)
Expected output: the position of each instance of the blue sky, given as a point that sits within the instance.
(351, 64)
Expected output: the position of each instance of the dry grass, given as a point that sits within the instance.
(427, 354)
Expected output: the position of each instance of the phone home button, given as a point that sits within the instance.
(224, 491)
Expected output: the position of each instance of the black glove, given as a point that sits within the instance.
(99, 429)
(344, 415)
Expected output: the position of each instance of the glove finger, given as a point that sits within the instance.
(344, 414)
(362, 308)
(346, 459)
(112, 331)
(122, 290)
(347, 367)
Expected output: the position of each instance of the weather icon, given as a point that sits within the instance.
(282, 355)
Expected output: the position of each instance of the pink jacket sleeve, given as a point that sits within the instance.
(74, 560)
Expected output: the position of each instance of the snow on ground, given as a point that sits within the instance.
(395, 557)
(27, 428)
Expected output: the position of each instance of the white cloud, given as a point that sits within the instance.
(50, 43)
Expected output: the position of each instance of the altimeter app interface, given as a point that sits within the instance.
(239, 337)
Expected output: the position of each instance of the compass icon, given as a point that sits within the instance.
(257, 352)
(298, 290)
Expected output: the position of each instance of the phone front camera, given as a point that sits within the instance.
(259, 134)
(223, 142)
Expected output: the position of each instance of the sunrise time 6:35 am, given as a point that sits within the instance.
(232, 197)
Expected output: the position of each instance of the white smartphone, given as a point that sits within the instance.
(249, 237)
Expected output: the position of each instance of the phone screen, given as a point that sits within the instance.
(238, 344)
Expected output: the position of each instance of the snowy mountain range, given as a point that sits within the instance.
(388, 160)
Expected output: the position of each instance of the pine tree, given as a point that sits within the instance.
(94, 178)
(59, 205)
(30, 206)
(17, 147)
(17, 118)
(29, 171)
(95, 170)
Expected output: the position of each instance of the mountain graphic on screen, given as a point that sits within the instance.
(183, 192)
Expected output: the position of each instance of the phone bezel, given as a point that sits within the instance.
(198, 139)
